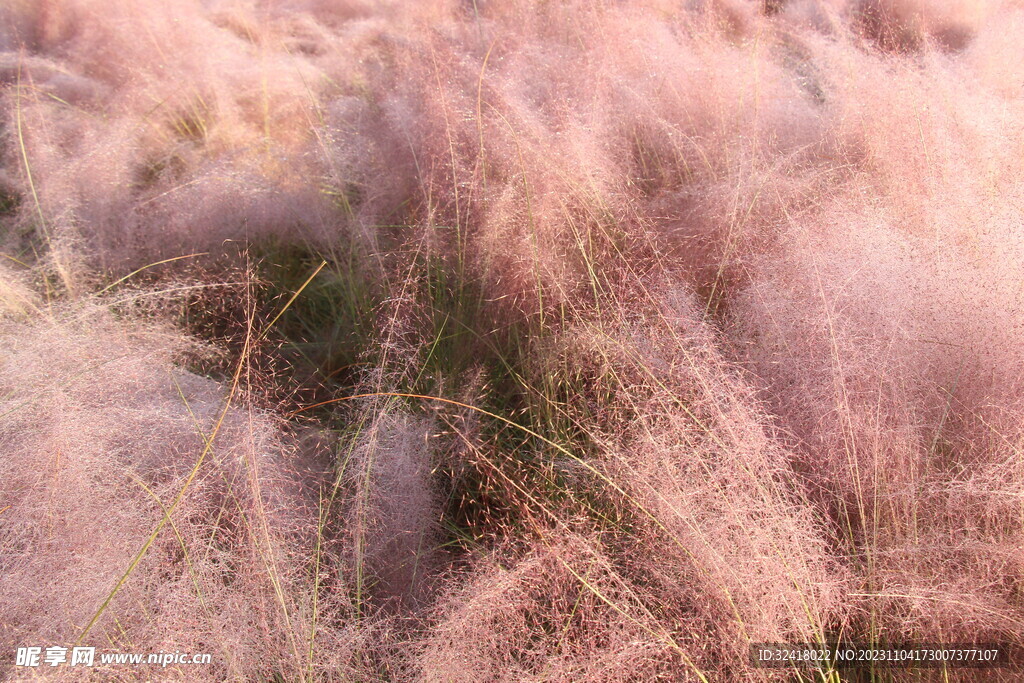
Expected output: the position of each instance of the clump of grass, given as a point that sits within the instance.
(148, 508)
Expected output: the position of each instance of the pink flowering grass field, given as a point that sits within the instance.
(509, 340)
